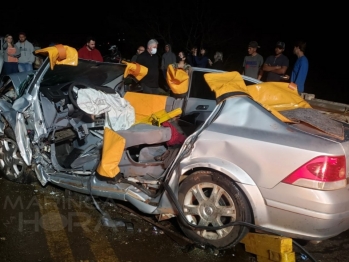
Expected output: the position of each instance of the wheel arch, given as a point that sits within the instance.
(227, 168)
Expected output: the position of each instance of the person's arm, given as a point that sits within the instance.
(260, 71)
(260, 74)
(299, 71)
(32, 57)
(281, 70)
(80, 53)
(99, 57)
(5, 45)
(173, 58)
(17, 53)
(243, 66)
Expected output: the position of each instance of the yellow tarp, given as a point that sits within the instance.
(135, 69)
(274, 96)
(145, 104)
(177, 80)
(60, 55)
(113, 147)
(159, 117)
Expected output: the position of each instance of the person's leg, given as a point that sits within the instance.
(13, 68)
(6, 68)
(28, 67)
(21, 67)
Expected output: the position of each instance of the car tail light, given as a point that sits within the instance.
(323, 172)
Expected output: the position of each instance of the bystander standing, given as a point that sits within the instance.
(149, 59)
(253, 62)
(89, 51)
(27, 58)
(276, 65)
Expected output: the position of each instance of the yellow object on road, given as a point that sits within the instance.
(269, 248)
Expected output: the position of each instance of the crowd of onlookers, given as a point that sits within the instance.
(19, 57)
(272, 69)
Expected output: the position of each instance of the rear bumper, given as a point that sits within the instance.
(300, 212)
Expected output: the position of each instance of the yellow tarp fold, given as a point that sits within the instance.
(113, 147)
(159, 117)
(145, 104)
(274, 96)
(135, 69)
(60, 55)
(177, 80)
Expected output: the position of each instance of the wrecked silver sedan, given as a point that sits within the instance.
(254, 156)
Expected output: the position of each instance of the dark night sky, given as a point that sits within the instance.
(265, 24)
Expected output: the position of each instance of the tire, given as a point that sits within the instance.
(208, 210)
(12, 165)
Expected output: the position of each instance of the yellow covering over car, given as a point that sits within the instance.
(135, 69)
(60, 55)
(273, 96)
(145, 104)
(113, 147)
(177, 79)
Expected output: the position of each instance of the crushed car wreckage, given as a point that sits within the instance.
(255, 155)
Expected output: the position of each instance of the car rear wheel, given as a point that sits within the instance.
(212, 199)
(12, 165)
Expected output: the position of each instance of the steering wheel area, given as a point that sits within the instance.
(73, 92)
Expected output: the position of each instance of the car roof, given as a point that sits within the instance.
(209, 70)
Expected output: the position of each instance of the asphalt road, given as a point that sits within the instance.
(48, 224)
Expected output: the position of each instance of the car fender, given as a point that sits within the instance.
(1, 62)
(223, 166)
(16, 121)
(23, 140)
(1, 53)
(2, 126)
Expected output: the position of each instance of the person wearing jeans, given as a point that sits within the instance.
(27, 58)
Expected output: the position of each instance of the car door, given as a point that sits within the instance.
(201, 100)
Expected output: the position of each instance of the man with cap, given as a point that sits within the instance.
(276, 65)
(253, 62)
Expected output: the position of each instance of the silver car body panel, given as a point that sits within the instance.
(238, 138)
(2, 127)
(241, 127)
(18, 78)
(23, 140)
(1, 53)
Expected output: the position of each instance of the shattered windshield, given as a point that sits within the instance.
(23, 86)
(90, 72)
